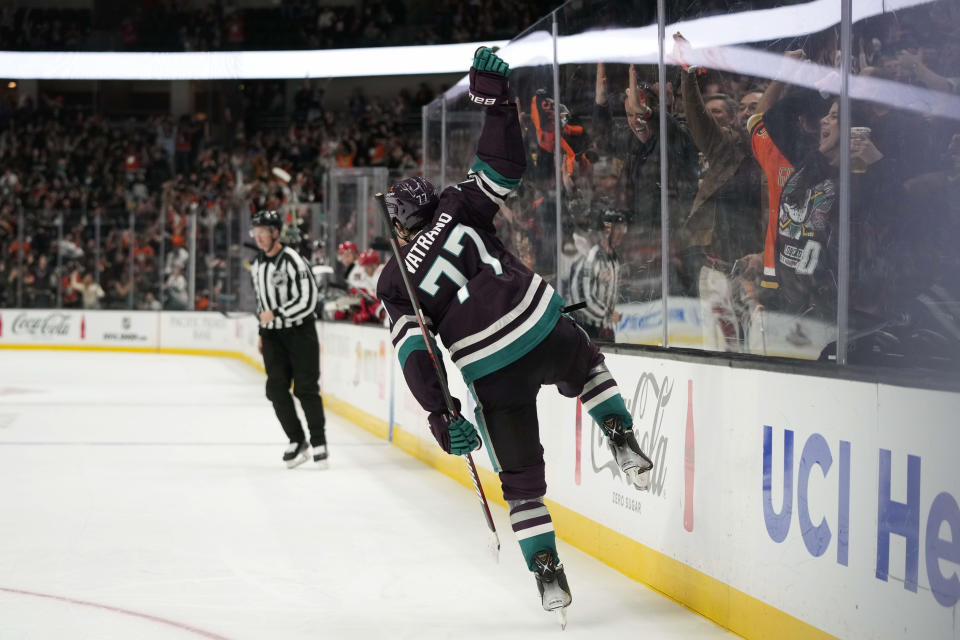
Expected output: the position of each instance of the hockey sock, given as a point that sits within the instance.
(601, 396)
(533, 527)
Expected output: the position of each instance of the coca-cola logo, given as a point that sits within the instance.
(53, 324)
(647, 406)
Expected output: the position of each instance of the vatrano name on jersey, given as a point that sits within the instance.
(420, 246)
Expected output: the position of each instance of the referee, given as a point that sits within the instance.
(286, 299)
(595, 278)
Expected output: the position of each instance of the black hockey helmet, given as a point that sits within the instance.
(613, 216)
(605, 210)
(266, 218)
(412, 203)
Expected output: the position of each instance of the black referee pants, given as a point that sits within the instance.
(294, 355)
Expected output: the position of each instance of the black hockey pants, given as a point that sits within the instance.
(507, 400)
(294, 354)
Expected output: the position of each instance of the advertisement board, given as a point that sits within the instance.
(832, 501)
(190, 330)
(41, 326)
(121, 328)
(355, 366)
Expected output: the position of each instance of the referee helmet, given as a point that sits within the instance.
(267, 218)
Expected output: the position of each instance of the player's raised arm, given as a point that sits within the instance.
(500, 160)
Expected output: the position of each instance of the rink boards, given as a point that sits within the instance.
(782, 506)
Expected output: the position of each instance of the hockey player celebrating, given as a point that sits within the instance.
(502, 325)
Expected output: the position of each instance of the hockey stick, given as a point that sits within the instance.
(418, 312)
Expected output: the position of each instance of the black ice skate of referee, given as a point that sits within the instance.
(286, 298)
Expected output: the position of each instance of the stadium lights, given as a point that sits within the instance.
(637, 45)
(236, 65)
(716, 42)
(722, 42)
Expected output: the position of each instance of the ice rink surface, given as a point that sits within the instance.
(143, 496)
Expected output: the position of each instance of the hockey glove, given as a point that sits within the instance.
(488, 78)
(454, 433)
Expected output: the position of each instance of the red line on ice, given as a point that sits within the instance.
(126, 612)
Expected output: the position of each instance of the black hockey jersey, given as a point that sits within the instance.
(487, 307)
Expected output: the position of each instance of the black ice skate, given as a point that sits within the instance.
(552, 584)
(296, 454)
(320, 456)
(633, 462)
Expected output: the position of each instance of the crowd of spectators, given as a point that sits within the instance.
(46, 29)
(725, 192)
(96, 212)
(222, 25)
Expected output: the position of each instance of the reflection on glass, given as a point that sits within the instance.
(905, 153)
(754, 231)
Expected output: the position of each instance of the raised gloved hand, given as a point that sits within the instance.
(488, 78)
(454, 433)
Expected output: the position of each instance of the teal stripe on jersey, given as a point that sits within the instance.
(519, 347)
(484, 432)
(497, 178)
(413, 343)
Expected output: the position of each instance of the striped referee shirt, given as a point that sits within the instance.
(284, 284)
(595, 279)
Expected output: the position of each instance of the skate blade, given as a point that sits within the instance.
(639, 479)
(562, 615)
(322, 464)
(296, 462)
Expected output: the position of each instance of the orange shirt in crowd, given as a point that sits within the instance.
(778, 170)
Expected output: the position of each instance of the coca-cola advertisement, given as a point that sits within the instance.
(46, 326)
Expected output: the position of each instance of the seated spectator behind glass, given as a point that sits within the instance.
(149, 302)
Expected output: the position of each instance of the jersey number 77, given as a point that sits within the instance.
(443, 267)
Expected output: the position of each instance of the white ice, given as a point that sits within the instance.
(143, 496)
